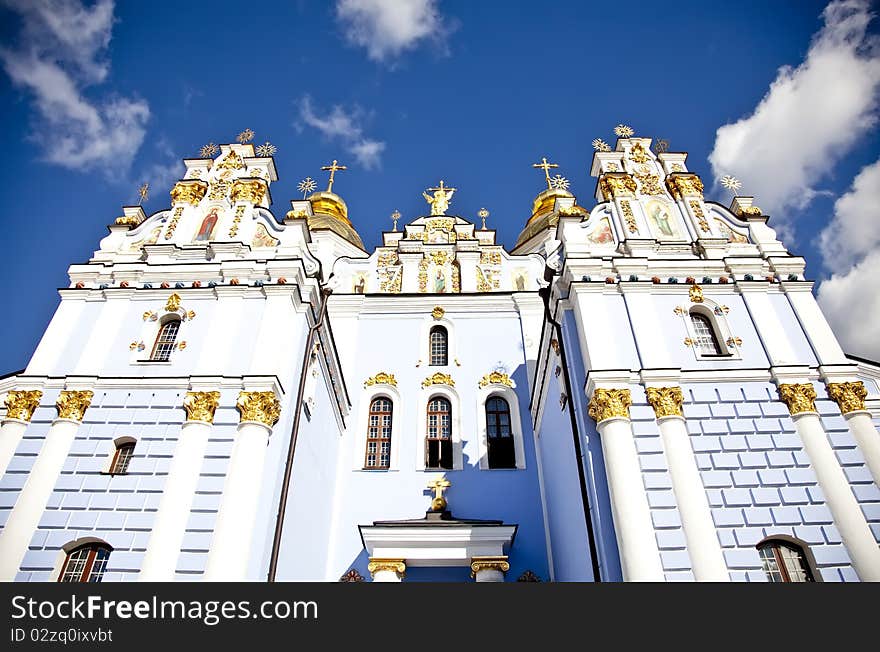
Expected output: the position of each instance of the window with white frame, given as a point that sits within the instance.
(165, 341)
(705, 339)
(85, 563)
(438, 442)
(378, 453)
(438, 347)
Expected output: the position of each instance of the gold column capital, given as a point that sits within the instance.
(190, 191)
(617, 184)
(666, 401)
(498, 563)
(72, 404)
(849, 396)
(251, 191)
(378, 564)
(609, 403)
(799, 397)
(20, 404)
(259, 406)
(200, 406)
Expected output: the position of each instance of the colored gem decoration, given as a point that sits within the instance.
(624, 131)
(601, 146)
(245, 136)
(266, 149)
(208, 151)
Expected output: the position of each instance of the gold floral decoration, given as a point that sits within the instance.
(696, 293)
(438, 379)
(849, 396)
(232, 161)
(128, 220)
(649, 184)
(200, 406)
(72, 404)
(252, 192)
(699, 214)
(751, 210)
(263, 407)
(609, 403)
(381, 378)
(666, 401)
(236, 221)
(496, 378)
(637, 153)
(798, 397)
(628, 216)
(617, 184)
(438, 312)
(20, 404)
(189, 192)
(173, 303)
(172, 224)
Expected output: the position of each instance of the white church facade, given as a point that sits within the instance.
(643, 390)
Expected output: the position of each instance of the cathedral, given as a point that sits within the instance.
(642, 389)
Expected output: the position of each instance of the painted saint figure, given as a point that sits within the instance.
(439, 281)
(208, 225)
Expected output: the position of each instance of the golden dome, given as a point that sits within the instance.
(545, 201)
(330, 212)
(544, 215)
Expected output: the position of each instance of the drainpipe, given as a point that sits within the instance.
(291, 449)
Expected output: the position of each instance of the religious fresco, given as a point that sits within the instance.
(731, 235)
(208, 223)
(262, 238)
(359, 282)
(601, 232)
(520, 278)
(663, 224)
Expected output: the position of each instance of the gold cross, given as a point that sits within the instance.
(442, 188)
(333, 168)
(143, 193)
(395, 216)
(438, 487)
(544, 165)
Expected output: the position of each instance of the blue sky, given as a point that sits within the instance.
(97, 97)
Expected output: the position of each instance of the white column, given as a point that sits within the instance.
(387, 570)
(703, 545)
(636, 541)
(169, 529)
(489, 569)
(851, 399)
(231, 546)
(34, 496)
(845, 510)
(20, 406)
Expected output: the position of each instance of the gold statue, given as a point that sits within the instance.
(440, 201)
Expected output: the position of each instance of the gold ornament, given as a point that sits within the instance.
(849, 396)
(666, 401)
(236, 221)
(231, 161)
(189, 192)
(544, 165)
(381, 378)
(681, 184)
(175, 218)
(173, 303)
(609, 403)
(438, 379)
(496, 378)
(200, 406)
(439, 504)
(245, 136)
(798, 397)
(638, 154)
(128, 220)
(623, 131)
(73, 404)
(21, 404)
(496, 563)
(628, 216)
(617, 184)
(440, 201)
(377, 564)
(649, 183)
(248, 191)
(438, 312)
(259, 406)
(333, 168)
(696, 294)
(698, 213)
(750, 210)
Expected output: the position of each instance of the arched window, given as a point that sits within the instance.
(705, 339)
(438, 444)
(502, 454)
(786, 560)
(122, 456)
(85, 563)
(379, 434)
(165, 341)
(439, 347)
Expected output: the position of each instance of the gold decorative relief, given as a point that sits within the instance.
(189, 192)
(236, 221)
(750, 210)
(128, 220)
(438, 312)
(649, 184)
(798, 397)
(496, 378)
(490, 257)
(849, 396)
(149, 314)
(638, 153)
(681, 184)
(219, 189)
(696, 293)
(251, 192)
(20, 404)
(699, 214)
(496, 563)
(628, 216)
(232, 161)
(200, 406)
(617, 184)
(688, 341)
(388, 258)
(734, 340)
(666, 401)
(72, 404)
(438, 379)
(173, 303)
(377, 565)
(381, 378)
(609, 403)
(259, 406)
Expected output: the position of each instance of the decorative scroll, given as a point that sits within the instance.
(381, 378)
(496, 378)
(377, 565)
(438, 379)
(496, 563)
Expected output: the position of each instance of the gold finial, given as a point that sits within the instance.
(438, 504)
(306, 186)
(266, 149)
(208, 150)
(483, 214)
(394, 217)
(440, 201)
(245, 136)
(624, 131)
(544, 165)
(731, 183)
(143, 193)
(333, 167)
(600, 145)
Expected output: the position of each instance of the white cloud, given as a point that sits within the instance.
(851, 303)
(855, 229)
(60, 54)
(344, 127)
(386, 28)
(810, 117)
